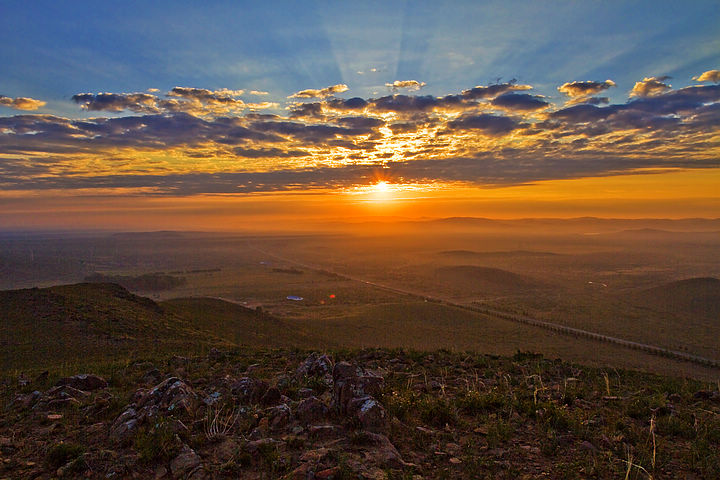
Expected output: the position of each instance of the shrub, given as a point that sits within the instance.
(62, 454)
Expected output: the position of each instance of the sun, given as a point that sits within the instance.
(381, 187)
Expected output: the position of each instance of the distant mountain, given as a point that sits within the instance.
(591, 224)
(697, 296)
(508, 253)
(485, 280)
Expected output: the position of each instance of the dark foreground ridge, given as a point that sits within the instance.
(370, 414)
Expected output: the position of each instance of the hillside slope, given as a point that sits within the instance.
(695, 296)
(88, 321)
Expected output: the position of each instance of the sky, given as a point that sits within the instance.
(227, 114)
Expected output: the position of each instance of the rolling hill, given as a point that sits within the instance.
(485, 280)
(696, 296)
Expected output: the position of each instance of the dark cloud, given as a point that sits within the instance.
(361, 123)
(520, 101)
(355, 103)
(117, 102)
(492, 91)
(307, 110)
(488, 124)
(223, 96)
(584, 89)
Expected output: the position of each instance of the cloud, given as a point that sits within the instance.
(650, 86)
(258, 92)
(211, 101)
(584, 88)
(485, 135)
(204, 95)
(306, 110)
(492, 91)
(709, 76)
(117, 102)
(321, 93)
(411, 85)
(488, 124)
(196, 101)
(21, 103)
(519, 101)
(268, 153)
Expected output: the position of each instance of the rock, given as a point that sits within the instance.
(85, 381)
(327, 474)
(161, 472)
(300, 473)
(213, 398)
(315, 365)
(248, 389)
(384, 453)
(255, 446)
(62, 403)
(351, 382)
(66, 391)
(315, 456)
(124, 425)
(185, 462)
(278, 417)
(312, 410)
(371, 414)
(343, 371)
(170, 396)
(271, 397)
(27, 401)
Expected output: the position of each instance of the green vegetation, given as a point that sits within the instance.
(69, 454)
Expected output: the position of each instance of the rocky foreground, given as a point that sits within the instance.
(370, 414)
